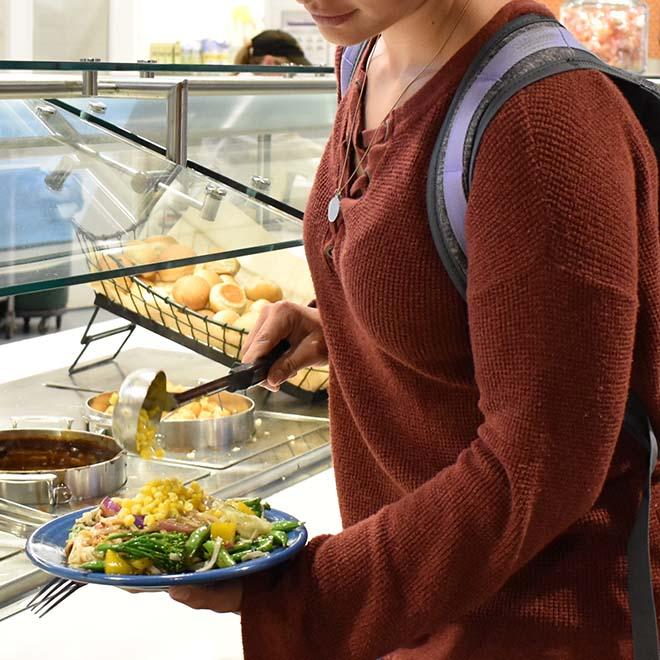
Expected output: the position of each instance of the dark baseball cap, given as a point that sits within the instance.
(278, 44)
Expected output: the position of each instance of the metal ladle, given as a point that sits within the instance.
(147, 389)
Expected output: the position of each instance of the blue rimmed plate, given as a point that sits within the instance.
(45, 548)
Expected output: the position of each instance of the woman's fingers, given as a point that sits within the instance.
(276, 322)
(307, 353)
(225, 597)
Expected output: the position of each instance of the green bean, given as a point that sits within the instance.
(120, 535)
(238, 557)
(208, 548)
(224, 559)
(255, 505)
(240, 547)
(263, 544)
(195, 540)
(280, 538)
(285, 525)
(97, 566)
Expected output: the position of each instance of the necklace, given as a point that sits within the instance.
(334, 205)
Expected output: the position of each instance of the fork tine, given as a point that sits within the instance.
(73, 587)
(61, 588)
(45, 590)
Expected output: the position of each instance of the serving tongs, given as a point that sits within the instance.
(146, 389)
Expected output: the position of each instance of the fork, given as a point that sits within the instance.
(51, 595)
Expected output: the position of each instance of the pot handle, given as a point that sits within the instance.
(40, 421)
(29, 488)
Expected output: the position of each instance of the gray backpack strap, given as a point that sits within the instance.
(640, 577)
(523, 44)
(527, 50)
(350, 58)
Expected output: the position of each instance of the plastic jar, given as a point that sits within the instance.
(616, 31)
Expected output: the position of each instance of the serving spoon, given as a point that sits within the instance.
(146, 389)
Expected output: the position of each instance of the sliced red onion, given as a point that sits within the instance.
(139, 522)
(109, 508)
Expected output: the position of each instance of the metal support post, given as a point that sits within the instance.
(147, 74)
(177, 123)
(90, 79)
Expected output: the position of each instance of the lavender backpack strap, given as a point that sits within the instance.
(349, 61)
(527, 50)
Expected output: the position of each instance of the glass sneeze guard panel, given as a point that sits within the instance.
(155, 67)
(272, 142)
(80, 204)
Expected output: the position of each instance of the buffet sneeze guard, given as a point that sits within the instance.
(106, 186)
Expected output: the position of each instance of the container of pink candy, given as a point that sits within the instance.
(617, 31)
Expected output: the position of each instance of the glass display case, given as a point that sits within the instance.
(147, 190)
(136, 187)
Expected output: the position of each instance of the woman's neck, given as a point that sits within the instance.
(409, 45)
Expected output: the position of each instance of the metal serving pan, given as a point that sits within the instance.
(218, 434)
(56, 466)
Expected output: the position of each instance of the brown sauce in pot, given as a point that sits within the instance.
(29, 454)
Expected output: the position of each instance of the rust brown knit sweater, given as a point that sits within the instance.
(486, 494)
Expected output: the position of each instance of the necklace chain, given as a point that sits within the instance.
(333, 207)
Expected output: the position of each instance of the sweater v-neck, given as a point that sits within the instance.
(410, 113)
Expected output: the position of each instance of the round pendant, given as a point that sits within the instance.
(334, 208)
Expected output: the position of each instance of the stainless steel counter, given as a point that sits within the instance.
(291, 442)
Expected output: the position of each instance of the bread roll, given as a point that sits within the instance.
(258, 305)
(112, 287)
(226, 340)
(173, 253)
(311, 380)
(192, 291)
(161, 242)
(246, 322)
(227, 279)
(264, 289)
(226, 316)
(140, 252)
(224, 266)
(227, 295)
(211, 277)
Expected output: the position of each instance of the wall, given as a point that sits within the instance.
(172, 20)
(85, 24)
(4, 12)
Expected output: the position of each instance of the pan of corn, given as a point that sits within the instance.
(219, 422)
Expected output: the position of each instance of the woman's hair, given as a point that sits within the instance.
(271, 42)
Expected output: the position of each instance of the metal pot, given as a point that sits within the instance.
(217, 434)
(56, 466)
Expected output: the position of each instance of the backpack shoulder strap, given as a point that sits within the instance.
(350, 58)
(527, 50)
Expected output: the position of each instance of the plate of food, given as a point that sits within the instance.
(167, 535)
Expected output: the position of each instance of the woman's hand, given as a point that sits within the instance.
(222, 597)
(301, 326)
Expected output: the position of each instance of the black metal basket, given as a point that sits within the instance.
(141, 303)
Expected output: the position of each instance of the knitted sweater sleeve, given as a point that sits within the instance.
(552, 308)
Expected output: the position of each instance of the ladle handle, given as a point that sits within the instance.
(239, 378)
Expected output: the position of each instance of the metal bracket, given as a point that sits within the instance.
(89, 338)
(214, 195)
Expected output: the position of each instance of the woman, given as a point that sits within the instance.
(486, 489)
(272, 48)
